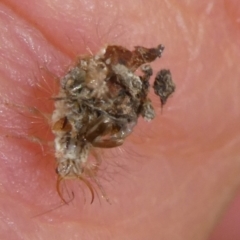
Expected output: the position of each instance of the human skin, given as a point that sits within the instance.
(174, 177)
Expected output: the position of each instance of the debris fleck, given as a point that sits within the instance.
(163, 85)
(98, 105)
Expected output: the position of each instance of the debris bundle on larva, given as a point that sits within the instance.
(99, 103)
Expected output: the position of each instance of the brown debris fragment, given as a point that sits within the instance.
(132, 59)
(163, 85)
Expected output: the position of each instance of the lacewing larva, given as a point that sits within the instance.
(99, 102)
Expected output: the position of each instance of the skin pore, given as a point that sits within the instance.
(174, 177)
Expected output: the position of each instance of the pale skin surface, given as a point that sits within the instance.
(180, 171)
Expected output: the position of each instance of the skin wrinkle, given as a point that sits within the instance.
(32, 21)
(180, 159)
(82, 28)
(25, 16)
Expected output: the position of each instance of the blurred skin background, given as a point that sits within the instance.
(181, 172)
